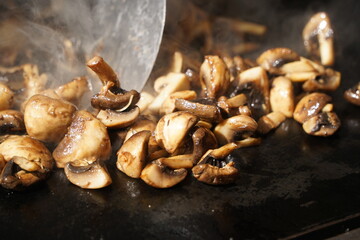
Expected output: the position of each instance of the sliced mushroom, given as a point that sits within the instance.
(11, 121)
(87, 138)
(203, 140)
(6, 97)
(159, 175)
(352, 95)
(73, 90)
(172, 129)
(142, 123)
(318, 38)
(132, 154)
(205, 109)
(169, 104)
(272, 59)
(310, 105)
(86, 175)
(47, 118)
(115, 119)
(323, 124)
(178, 161)
(214, 76)
(240, 126)
(328, 81)
(231, 105)
(270, 121)
(145, 100)
(282, 96)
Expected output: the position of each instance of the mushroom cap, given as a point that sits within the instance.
(310, 105)
(47, 118)
(107, 99)
(328, 81)
(352, 95)
(272, 59)
(87, 138)
(132, 154)
(323, 124)
(114, 119)
(6, 97)
(158, 175)
(11, 121)
(88, 176)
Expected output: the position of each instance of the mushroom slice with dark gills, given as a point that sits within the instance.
(229, 130)
(172, 129)
(272, 59)
(118, 119)
(87, 138)
(323, 124)
(254, 83)
(111, 95)
(205, 108)
(47, 118)
(6, 97)
(214, 76)
(310, 105)
(352, 95)
(158, 175)
(318, 38)
(27, 161)
(86, 175)
(11, 121)
(328, 81)
(131, 157)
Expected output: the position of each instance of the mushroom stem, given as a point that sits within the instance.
(103, 70)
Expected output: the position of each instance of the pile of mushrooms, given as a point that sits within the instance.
(198, 114)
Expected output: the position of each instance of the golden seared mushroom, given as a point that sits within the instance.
(87, 138)
(237, 65)
(172, 129)
(116, 119)
(254, 83)
(301, 71)
(6, 97)
(328, 81)
(203, 140)
(28, 161)
(73, 90)
(323, 124)
(231, 105)
(282, 96)
(132, 154)
(142, 123)
(270, 121)
(166, 85)
(11, 121)
(214, 76)
(169, 104)
(272, 59)
(178, 161)
(47, 118)
(229, 130)
(310, 105)
(111, 95)
(204, 108)
(352, 95)
(86, 175)
(159, 175)
(145, 100)
(318, 38)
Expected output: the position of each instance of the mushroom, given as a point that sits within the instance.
(115, 119)
(6, 97)
(205, 108)
(272, 59)
(282, 96)
(352, 95)
(302, 70)
(169, 103)
(270, 121)
(111, 95)
(234, 127)
(172, 129)
(86, 175)
(310, 105)
(323, 124)
(318, 38)
(231, 105)
(178, 161)
(2, 162)
(328, 81)
(159, 175)
(145, 100)
(132, 154)
(203, 140)
(73, 90)
(28, 161)
(142, 123)
(11, 121)
(47, 118)
(214, 76)
(87, 138)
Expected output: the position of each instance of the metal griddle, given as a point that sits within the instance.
(291, 186)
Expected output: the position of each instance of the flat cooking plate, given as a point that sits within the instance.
(290, 184)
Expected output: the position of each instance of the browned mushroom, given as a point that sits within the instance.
(328, 81)
(282, 96)
(274, 58)
(86, 175)
(86, 139)
(131, 156)
(6, 97)
(11, 121)
(318, 38)
(103, 70)
(159, 175)
(352, 95)
(323, 124)
(203, 140)
(73, 90)
(169, 103)
(2, 162)
(270, 121)
(115, 119)
(142, 123)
